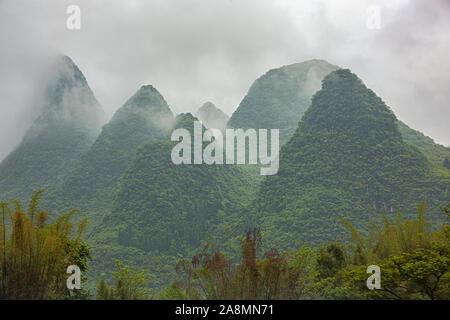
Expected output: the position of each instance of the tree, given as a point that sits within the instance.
(35, 254)
(210, 275)
(130, 284)
(414, 261)
(103, 292)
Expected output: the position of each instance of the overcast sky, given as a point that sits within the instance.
(193, 51)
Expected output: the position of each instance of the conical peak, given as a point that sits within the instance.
(148, 88)
(346, 105)
(341, 76)
(65, 78)
(211, 116)
(184, 118)
(147, 97)
(208, 105)
(185, 121)
(348, 92)
(309, 63)
(68, 72)
(304, 66)
(67, 100)
(210, 108)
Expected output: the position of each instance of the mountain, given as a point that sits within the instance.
(347, 159)
(164, 206)
(92, 184)
(163, 210)
(278, 98)
(212, 117)
(69, 120)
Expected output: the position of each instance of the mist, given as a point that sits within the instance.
(203, 50)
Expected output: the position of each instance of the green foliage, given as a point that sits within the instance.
(278, 98)
(130, 284)
(163, 211)
(166, 207)
(93, 183)
(173, 292)
(346, 160)
(68, 122)
(436, 153)
(210, 275)
(34, 254)
(414, 261)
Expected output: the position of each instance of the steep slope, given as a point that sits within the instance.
(162, 210)
(92, 185)
(69, 120)
(211, 116)
(434, 152)
(346, 160)
(279, 97)
(164, 206)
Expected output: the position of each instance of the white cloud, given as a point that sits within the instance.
(200, 50)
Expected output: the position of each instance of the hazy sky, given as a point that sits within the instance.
(198, 50)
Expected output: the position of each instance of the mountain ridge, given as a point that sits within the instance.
(69, 120)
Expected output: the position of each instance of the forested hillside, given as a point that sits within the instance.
(92, 184)
(434, 152)
(68, 122)
(166, 209)
(347, 159)
(278, 98)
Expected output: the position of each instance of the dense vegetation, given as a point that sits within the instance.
(68, 123)
(347, 160)
(414, 259)
(436, 153)
(414, 263)
(35, 254)
(278, 98)
(166, 209)
(92, 184)
(129, 284)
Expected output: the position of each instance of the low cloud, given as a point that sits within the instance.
(204, 50)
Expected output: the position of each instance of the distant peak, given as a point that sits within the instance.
(308, 64)
(185, 116)
(64, 69)
(148, 87)
(147, 94)
(339, 76)
(208, 104)
(212, 116)
(66, 59)
(207, 107)
(146, 103)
